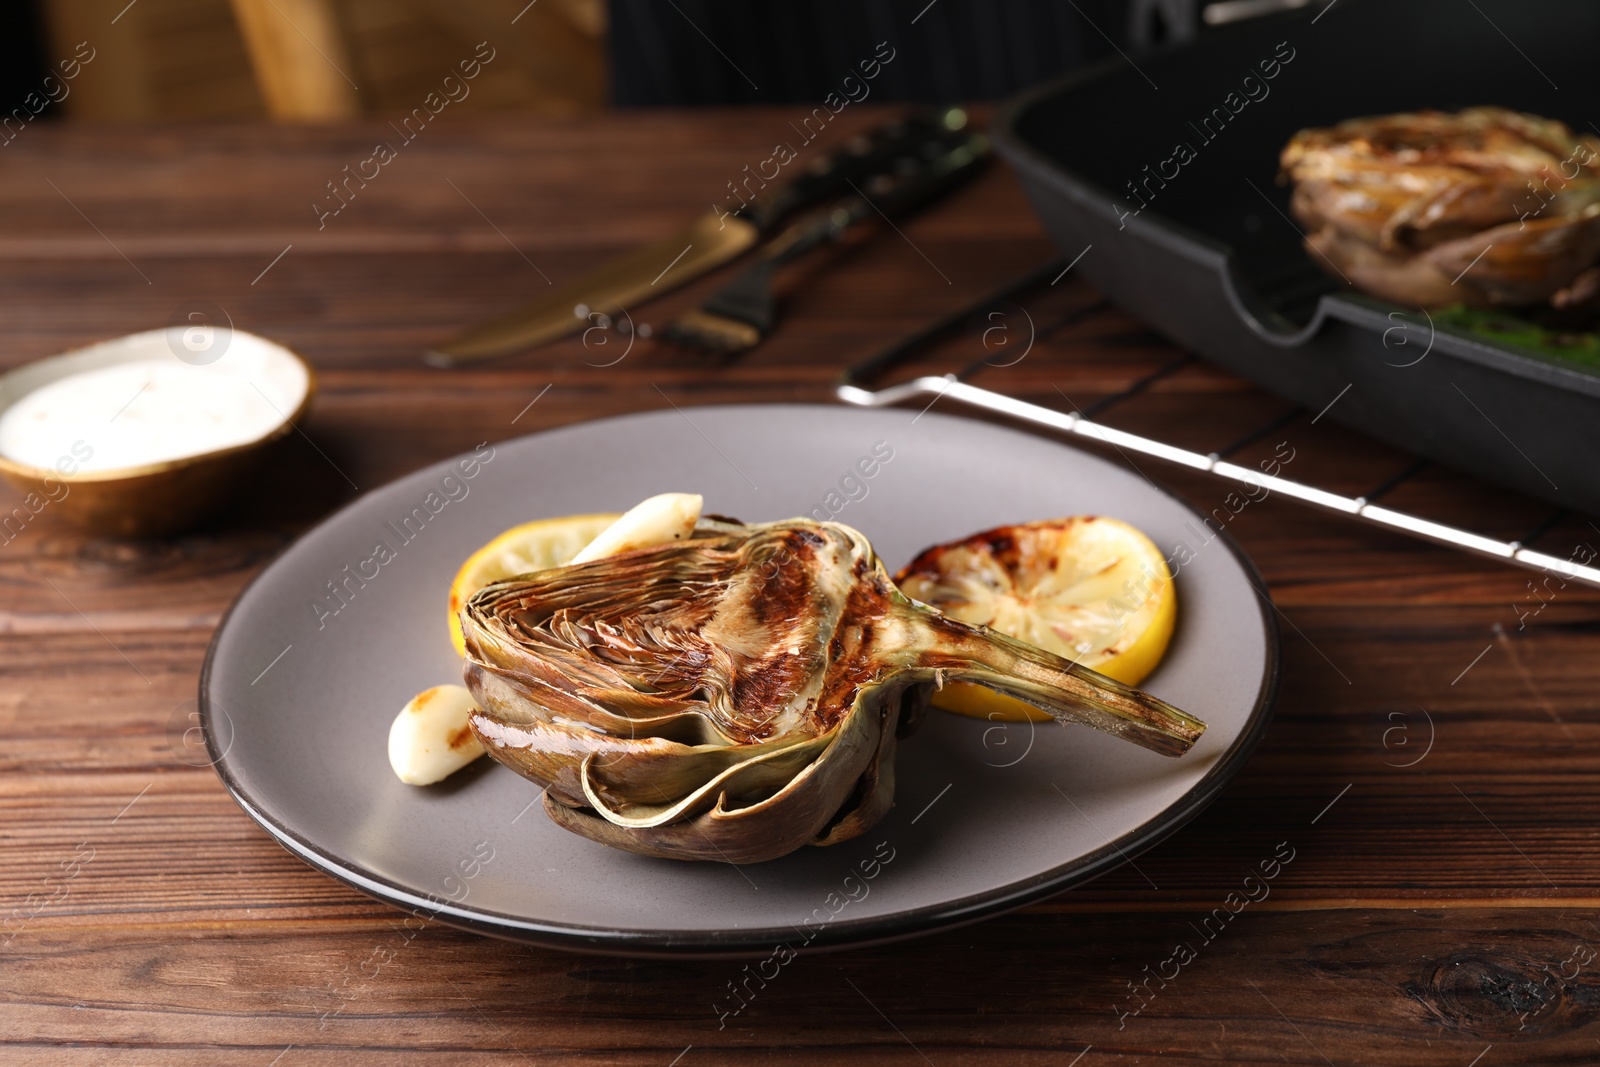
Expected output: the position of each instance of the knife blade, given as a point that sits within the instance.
(706, 243)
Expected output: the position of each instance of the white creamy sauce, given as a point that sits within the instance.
(146, 410)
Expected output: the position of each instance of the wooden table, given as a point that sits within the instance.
(1432, 765)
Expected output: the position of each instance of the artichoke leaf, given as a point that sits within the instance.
(622, 787)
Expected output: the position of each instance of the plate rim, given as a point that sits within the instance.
(746, 943)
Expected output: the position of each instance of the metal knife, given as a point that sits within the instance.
(709, 241)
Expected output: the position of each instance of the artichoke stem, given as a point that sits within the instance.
(1066, 691)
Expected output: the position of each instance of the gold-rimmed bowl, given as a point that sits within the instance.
(163, 497)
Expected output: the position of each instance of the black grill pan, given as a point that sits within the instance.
(1214, 261)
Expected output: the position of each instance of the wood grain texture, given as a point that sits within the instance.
(1433, 761)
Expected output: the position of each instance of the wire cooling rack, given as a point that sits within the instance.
(859, 385)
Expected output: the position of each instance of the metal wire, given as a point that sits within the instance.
(854, 388)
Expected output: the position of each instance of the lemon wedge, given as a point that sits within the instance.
(1093, 590)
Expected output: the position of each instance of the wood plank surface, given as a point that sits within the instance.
(1433, 761)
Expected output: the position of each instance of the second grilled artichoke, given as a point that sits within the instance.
(1485, 206)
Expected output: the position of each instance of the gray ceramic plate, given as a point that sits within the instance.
(297, 699)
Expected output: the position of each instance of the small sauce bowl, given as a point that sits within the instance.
(150, 499)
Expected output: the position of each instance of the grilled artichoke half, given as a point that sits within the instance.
(738, 694)
(1485, 206)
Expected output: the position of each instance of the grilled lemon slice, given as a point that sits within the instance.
(1091, 589)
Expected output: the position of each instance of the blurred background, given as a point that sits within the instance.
(310, 60)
